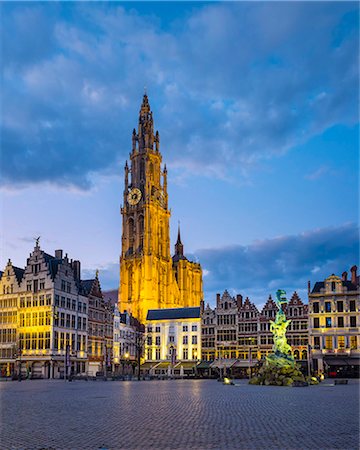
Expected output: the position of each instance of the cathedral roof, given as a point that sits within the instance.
(173, 313)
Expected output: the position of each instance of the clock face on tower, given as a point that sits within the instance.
(134, 196)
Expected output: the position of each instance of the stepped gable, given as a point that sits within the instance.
(270, 305)
(91, 287)
(295, 300)
(248, 306)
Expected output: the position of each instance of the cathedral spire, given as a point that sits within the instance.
(179, 248)
(146, 126)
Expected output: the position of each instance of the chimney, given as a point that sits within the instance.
(217, 300)
(58, 254)
(353, 271)
(76, 268)
(309, 287)
(239, 299)
(344, 276)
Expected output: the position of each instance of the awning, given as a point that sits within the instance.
(162, 365)
(244, 363)
(148, 365)
(204, 365)
(185, 365)
(222, 363)
(335, 362)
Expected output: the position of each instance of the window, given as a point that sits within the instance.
(171, 338)
(28, 320)
(328, 343)
(149, 355)
(328, 322)
(352, 321)
(63, 302)
(73, 321)
(340, 306)
(149, 329)
(48, 299)
(317, 342)
(42, 283)
(157, 329)
(341, 341)
(194, 339)
(79, 306)
(48, 318)
(84, 323)
(68, 287)
(352, 305)
(353, 342)
(327, 306)
(68, 303)
(67, 320)
(185, 328)
(28, 286)
(62, 319)
(316, 322)
(73, 305)
(333, 286)
(63, 285)
(185, 353)
(157, 340)
(149, 340)
(185, 340)
(194, 328)
(157, 353)
(340, 322)
(41, 318)
(57, 300)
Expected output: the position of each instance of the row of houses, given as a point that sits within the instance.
(235, 336)
(53, 324)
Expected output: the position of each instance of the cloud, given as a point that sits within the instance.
(259, 269)
(231, 84)
(284, 262)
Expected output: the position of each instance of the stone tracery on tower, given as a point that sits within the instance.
(149, 277)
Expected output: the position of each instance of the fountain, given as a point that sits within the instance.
(279, 368)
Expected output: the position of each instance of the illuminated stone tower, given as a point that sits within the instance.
(148, 274)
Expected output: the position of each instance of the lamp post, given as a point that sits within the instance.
(19, 377)
(127, 362)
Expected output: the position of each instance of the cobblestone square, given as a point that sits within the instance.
(177, 414)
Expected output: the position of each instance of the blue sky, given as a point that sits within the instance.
(257, 109)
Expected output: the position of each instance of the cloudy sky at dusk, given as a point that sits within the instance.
(257, 109)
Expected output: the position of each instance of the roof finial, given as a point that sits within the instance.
(145, 90)
(37, 241)
(97, 274)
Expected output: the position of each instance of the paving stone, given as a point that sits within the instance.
(177, 414)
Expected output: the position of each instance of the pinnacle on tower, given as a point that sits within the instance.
(179, 248)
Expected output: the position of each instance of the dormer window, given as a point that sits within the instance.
(333, 286)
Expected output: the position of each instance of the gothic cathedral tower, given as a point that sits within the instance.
(149, 277)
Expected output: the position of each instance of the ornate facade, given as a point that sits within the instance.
(149, 277)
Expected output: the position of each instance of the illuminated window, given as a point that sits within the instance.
(328, 322)
(353, 342)
(328, 343)
(327, 306)
(341, 341)
(41, 318)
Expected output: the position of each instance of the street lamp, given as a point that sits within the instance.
(19, 377)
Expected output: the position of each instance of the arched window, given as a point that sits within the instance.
(142, 169)
(296, 354)
(304, 354)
